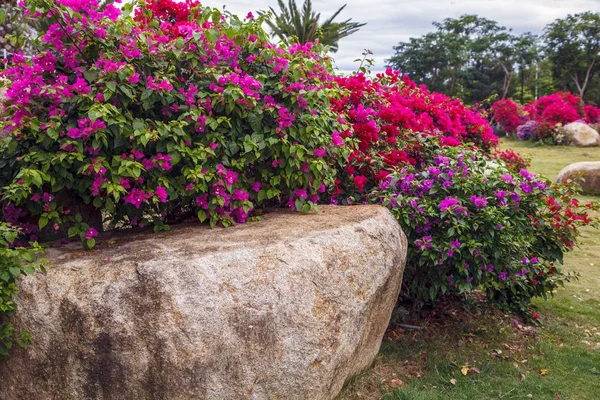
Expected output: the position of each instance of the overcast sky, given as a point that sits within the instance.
(392, 21)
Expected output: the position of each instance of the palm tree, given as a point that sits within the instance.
(304, 26)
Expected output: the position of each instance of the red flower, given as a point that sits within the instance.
(360, 182)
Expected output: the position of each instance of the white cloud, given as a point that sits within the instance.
(392, 21)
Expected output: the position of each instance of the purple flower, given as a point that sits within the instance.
(455, 244)
(534, 260)
(526, 174)
(526, 187)
(507, 178)
(502, 275)
(433, 171)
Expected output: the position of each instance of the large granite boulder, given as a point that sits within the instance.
(285, 308)
(582, 135)
(587, 174)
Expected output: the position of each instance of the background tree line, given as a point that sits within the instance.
(475, 58)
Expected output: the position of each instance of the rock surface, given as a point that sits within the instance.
(582, 135)
(586, 173)
(285, 308)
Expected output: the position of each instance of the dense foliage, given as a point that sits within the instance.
(15, 262)
(474, 223)
(178, 110)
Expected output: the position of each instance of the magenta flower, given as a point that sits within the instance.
(240, 195)
(320, 152)
(161, 193)
(447, 204)
(301, 193)
(136, 197)
(479, 202)
(337, 139)
(91, 233)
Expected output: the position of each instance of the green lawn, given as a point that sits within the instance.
(464, 355)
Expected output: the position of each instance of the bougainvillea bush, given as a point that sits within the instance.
(542, 120)
(506, 113)
(473, 223)
(146, 120)
(148, 117)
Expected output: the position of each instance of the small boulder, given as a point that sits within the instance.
(285, 308)
(586, 173)
(582, 135)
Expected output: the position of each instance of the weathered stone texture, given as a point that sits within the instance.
(586, 173)
(285, 308)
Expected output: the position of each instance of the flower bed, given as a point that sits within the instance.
(181, 111)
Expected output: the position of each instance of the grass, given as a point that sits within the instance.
(466, 355)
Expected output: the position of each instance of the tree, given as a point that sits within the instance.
(573, 46)
(470, 56)
(303, 25)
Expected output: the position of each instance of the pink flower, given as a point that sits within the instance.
(320, 152)
(136, 197)
(135, 78)
(91, 233)
(337, 139)
(447, 204)
(161, 193)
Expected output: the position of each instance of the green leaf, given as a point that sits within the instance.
(43, 221)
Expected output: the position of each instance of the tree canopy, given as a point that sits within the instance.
(474, 58)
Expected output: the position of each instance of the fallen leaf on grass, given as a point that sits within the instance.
(544, 372)
(395, 383)
(464, 370)
(453, 381)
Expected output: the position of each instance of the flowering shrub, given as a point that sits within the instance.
(473, 223)
(147, 120)
(512, 160)
(528, 130)
(547, 116)
(506, 113)
(384, 113)
(176, 110)
(592, 114)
